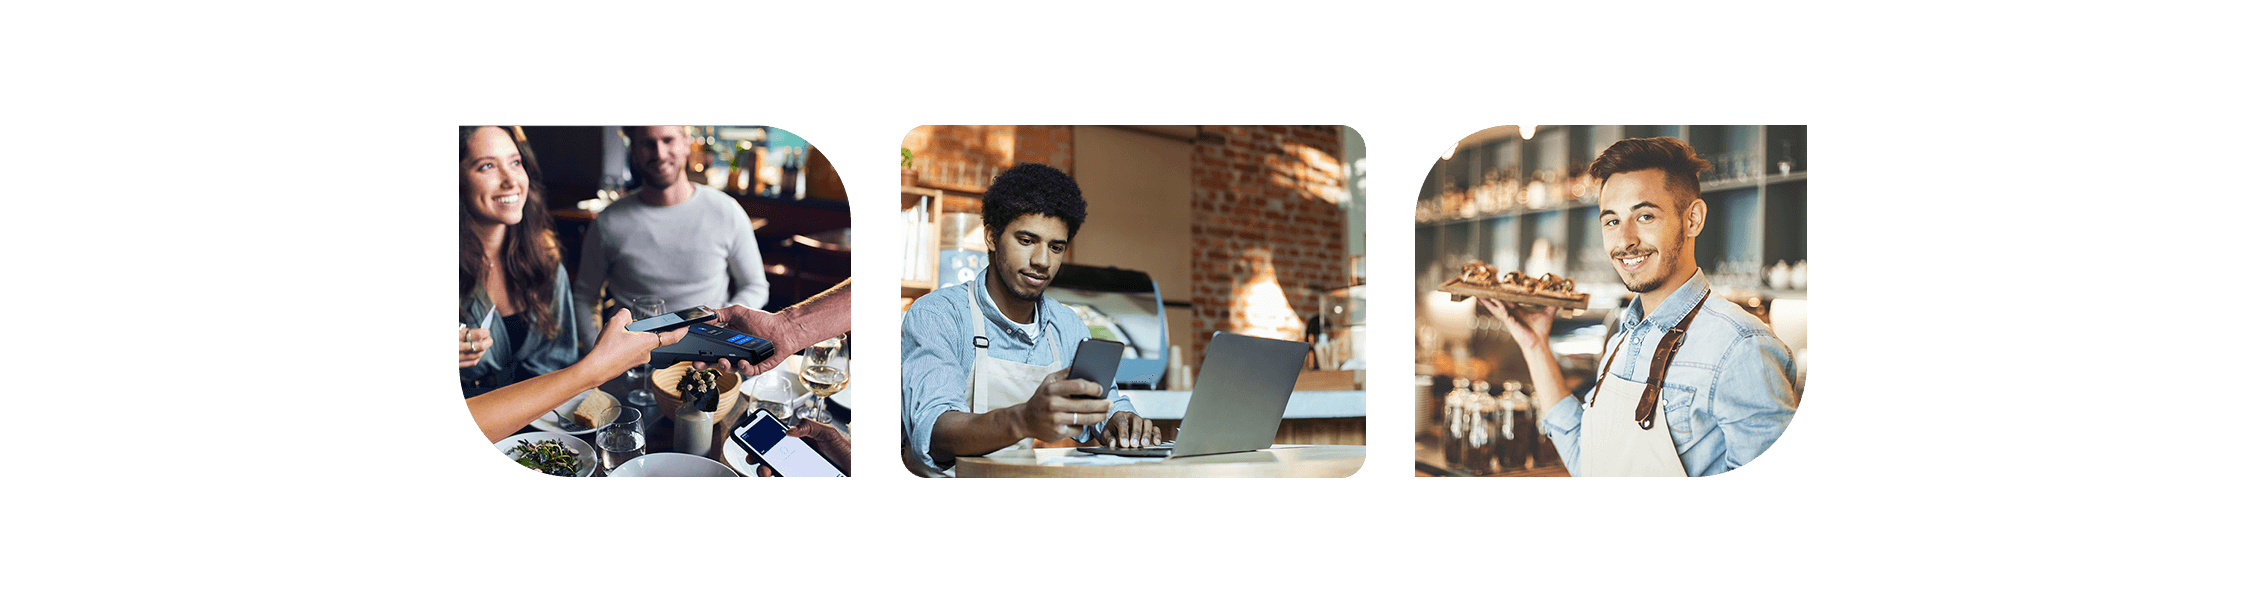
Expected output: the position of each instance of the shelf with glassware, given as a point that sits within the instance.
(1755, 246)
(920, 211)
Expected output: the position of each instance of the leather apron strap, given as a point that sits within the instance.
(1664, 352)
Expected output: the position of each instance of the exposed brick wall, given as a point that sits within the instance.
(1266, 213)
(1269, 226)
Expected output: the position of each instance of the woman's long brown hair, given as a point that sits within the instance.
(530, 255)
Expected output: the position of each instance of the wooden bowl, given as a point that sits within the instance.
(665, 388)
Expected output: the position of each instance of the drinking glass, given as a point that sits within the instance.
(773, 393)
(641, 388)
(824, 373)
(622, 439)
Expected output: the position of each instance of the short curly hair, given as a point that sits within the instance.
(1668, 154)
(1033, 189)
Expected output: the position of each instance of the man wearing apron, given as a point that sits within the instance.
(1693, 385)
(984, 362)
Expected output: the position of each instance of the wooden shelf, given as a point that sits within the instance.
(910, 198)
(1759, 218)
(917, 192)
(1743, 183)
(1705, 187)
(1585, 203)
(938, 188)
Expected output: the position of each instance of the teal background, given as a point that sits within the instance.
(230, 291)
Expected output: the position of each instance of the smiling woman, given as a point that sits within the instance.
(509, 281)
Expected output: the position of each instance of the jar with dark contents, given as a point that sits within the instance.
(1510, 446)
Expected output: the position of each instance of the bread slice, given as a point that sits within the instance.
(594, 409)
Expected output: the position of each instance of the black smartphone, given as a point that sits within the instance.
(1097, 361)
(707, 343)
(661, 323)
(788, 456)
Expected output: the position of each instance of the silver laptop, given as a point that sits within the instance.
(1238, 401)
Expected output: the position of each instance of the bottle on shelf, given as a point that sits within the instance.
(791, 175)
(1452, 433)
(1477, 433)
(1512, 452)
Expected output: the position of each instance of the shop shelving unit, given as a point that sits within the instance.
(1758, 208)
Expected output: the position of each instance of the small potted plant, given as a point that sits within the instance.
(905, 174)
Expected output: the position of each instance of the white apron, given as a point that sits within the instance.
(1613, 442)
(994, 383)
(1613, 445)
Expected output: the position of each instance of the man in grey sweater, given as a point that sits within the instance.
(685, 243)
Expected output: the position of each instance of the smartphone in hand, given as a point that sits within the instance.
(1097, 361)
(661, 323)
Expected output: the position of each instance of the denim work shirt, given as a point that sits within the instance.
(1727, 396)
(938, 351)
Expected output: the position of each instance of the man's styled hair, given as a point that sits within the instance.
(1667, 153)
(1033, 189)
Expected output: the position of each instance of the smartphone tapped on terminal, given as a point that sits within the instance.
(661, 323)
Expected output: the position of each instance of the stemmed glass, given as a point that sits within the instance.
(641, 389)
(824, 373)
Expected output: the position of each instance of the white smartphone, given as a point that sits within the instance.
(763, 435)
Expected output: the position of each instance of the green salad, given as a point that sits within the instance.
(547, 456)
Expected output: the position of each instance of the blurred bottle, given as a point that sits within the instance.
(791, 174)
(1510, 447)
(1452, 434)
(1484, 419)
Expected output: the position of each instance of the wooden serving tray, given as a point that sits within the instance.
(1459, 290)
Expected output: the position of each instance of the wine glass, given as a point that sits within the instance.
(641, 388)
(824, 373)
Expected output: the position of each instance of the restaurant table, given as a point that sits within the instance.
(1282, 461)
(661, 433)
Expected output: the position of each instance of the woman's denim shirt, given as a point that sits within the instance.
(537, 355)
(1727, 396)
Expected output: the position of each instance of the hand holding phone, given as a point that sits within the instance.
(661, 323)
(1097, 361)
(763, 435)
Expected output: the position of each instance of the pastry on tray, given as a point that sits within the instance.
(1480, 280)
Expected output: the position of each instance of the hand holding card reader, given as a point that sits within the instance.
(788, 456)
(707, 343)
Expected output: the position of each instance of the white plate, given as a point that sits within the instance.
(788, 369)
(670, 464)
(586, 456)
(545, 424)
(738, 458)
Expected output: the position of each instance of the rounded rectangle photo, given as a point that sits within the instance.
(1132, 301)
(652, 301)
(1610, 300)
